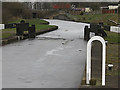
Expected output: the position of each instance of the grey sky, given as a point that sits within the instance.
(60, 0)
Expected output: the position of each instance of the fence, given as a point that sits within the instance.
(106, 11)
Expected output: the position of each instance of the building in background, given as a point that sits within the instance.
(112, 8)
(88, 10)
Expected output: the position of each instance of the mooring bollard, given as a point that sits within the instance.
(86, 33)
(32, 32)
(110, 67)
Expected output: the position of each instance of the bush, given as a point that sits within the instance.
(6, 15)
(26, 14)
(45, 14)
(14, 9)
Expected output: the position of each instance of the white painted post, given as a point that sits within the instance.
(18, 37)
(22, 37)
(2, 26)
(88, 67)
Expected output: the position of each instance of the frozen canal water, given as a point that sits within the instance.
(52, 60)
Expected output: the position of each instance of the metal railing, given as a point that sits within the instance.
(88, 66)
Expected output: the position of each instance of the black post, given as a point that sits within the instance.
(85, 30)
(20, 28)
(34, 15)
(32, 32)
(19, 31)
(86, 33)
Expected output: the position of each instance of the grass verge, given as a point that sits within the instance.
(95, 18)
(112, 37)
(112, 56)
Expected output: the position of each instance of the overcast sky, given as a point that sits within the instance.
(60, 0)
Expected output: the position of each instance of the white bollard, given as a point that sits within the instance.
(88, 66)
(22, 37)
(18, 37)
(2, 26)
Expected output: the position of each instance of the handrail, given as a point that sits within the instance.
(88, 66)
